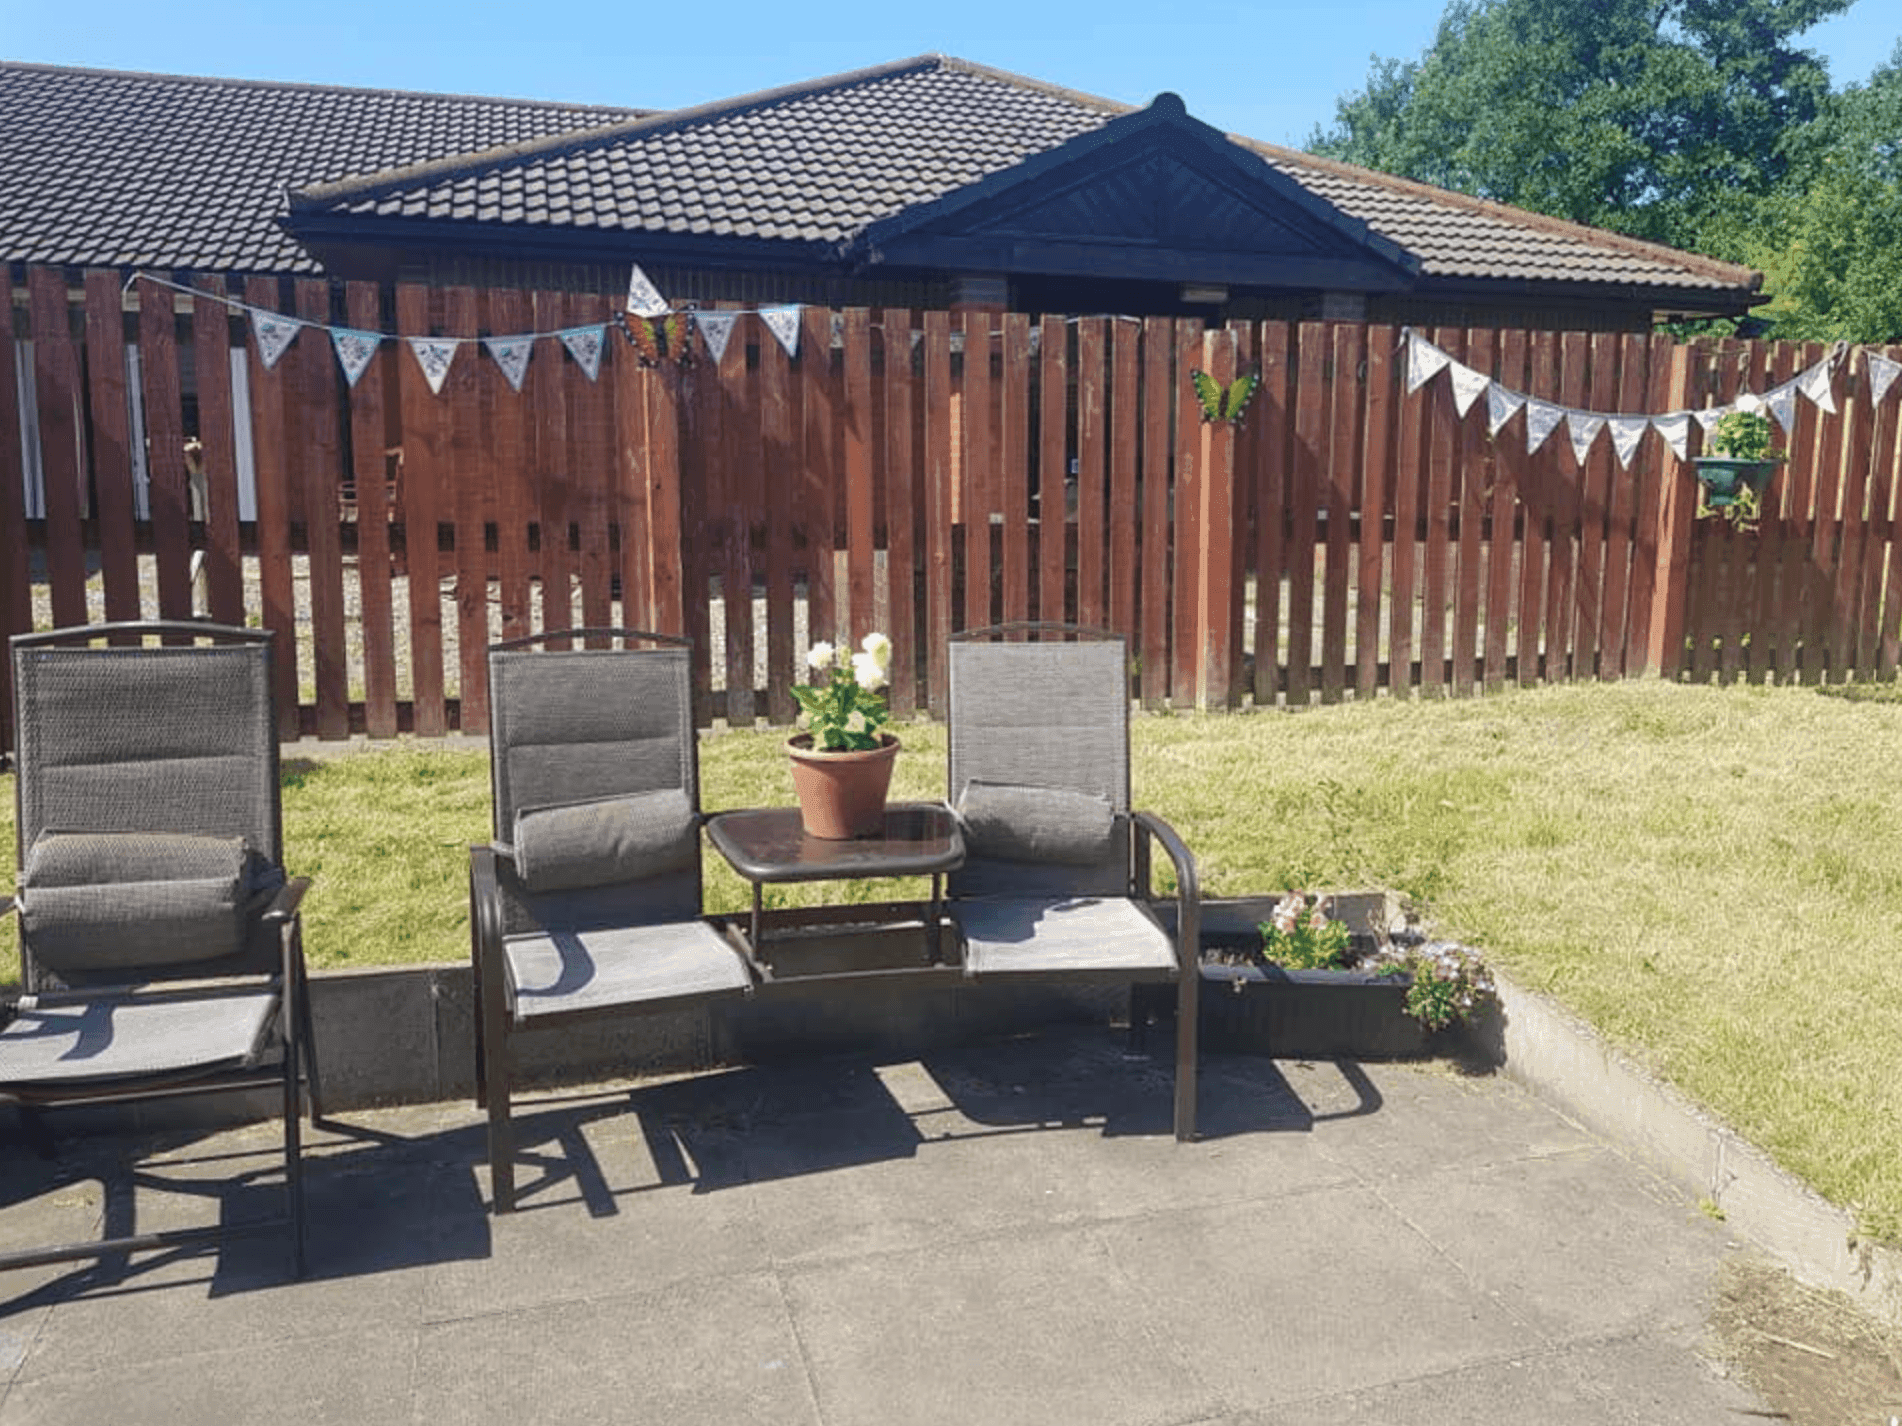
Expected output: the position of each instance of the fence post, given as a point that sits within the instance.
(1664, 650)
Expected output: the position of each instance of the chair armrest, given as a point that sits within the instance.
(485, 926)
(1188, 886)
(285, 904)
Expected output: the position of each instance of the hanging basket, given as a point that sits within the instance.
(1724, 479)
(842, 795)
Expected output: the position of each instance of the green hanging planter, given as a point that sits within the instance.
(1726, 479)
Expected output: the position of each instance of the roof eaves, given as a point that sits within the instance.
(1722, 273)
(375, 185)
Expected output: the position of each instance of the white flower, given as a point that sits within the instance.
(820, 656)
(856, 722)
(880, 648)
(869, 672)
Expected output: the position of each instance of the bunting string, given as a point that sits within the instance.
(1816, 383)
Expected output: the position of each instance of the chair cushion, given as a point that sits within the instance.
(560, 971)
(92, 901)
(118, 1037)
(1079, 936)
(1036, 824)
(599, 843)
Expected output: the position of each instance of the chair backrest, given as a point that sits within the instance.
(1048, 712)
(575, 726)
(174, 741)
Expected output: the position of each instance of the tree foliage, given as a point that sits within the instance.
(1645, 116)
(1829, 238)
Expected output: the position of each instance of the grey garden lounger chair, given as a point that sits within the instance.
(1055, 884)
(160, 940)
(588, 902)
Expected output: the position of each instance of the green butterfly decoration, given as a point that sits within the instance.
(1225, 403)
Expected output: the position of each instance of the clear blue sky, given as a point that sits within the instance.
(1270, 71)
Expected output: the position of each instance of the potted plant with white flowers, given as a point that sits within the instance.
(1733, 476)
(842, 762)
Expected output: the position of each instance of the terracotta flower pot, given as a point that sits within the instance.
(842, 795)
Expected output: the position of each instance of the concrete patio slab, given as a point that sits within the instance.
(998, 1234)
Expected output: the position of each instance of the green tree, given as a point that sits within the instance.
(1829, 239)
(1644, 116)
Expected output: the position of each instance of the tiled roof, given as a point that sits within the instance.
(105, 168)
(815, 163)
(126, 169)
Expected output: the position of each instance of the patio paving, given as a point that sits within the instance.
(995, 1234)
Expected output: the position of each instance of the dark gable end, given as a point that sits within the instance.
(1153, 196)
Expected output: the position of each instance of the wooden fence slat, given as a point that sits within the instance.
(552, 461)
(1185, 517)
(1206, 535)
(1471, 478)
(1822, 655)
(1122, 571)
(1014, 435)
(902, 491)
(167, 489)
(939, 477)
(1655, 523)
(779, 462)
(1377, 474)
(1270, 479)
(1092, 423)
(1852, 405)
(114, 505)
(660, 390)
(269, 422)
(1780, 585)
(368, 436)
(1879, 636)
(1623, 507)
(740, 450)
(1239, 543)
(1714, 380)
(821, 399)
(474, 385)
(1053, 462)
(1304, 501)
(1594, 510)
(312, 382)
(1415, 418)
(1568, 514)
(978, 477)
(423, 446)
(858, 439)
(591, 426)
(1442, 438)
(218, 453)
(505, 435)
(1536, 482)
(56, 382)
(16, 574)
(1159, 404)
(1507, 452)
(1341, 460)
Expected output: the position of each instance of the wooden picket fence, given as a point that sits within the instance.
(917, 473)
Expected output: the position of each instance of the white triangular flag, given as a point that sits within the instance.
(1882, 375)
(1711, 415)
(783, 322)
(1626, 432)
(585, 345)
(1501, 404)
(1815, 384)
(1584, 427)
(354, 350)
(643, 298)
(1468, 386)
(716, 327)
(433, 355)
(1542, 419)
(1782, 405)
(274, 333)
(511, 354)
(1676, 430)
(1424, 361)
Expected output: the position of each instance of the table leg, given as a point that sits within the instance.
(758, 889)
(936, 938)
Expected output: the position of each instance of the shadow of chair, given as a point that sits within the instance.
(160, 939)
(587, 904)
(1056, 880)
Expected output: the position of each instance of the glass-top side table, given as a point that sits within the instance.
(769, 844)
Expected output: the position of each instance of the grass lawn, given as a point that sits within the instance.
(1712, 877)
